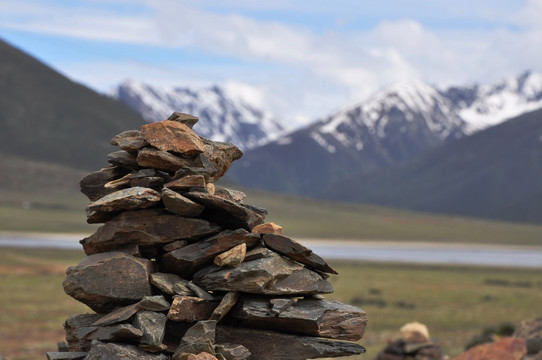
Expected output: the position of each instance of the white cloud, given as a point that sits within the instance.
(303, 71)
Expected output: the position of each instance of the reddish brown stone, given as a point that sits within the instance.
(189, 309)
(297, 252)
(173, 136)
(268, 228)
(186, 182)
(185, 261)
(161, 160)
(108, 206)
(226, 304)
(129, 140)
(504, 349)
(120, 183)
(201, 356)
(232, 257)
(146, 227)
(127, 280)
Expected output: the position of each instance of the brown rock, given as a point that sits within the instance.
(271, 275)
(330, 319)
(154, 303)
(226, 212)
(118, 315)
(221, 154)
(188, 309)
(504, 349)
(171, 284)
(187, 119)
(173, 136)
(129, 140)
(268, 228)
(186, 182)
(161, 160)
(93, 185)
(119, 332)
(285, 346)
(226, 304)
(175, 245)
(146, 227)
(201, 293)
(201, 165)
(232, 351)
(190, 258)
(110, 351)
(123, 159)
(201, 356)
(118, 184)
(296, 251)
(72, 325)
(180, 205)
(128, 280)
(135, 198)
(258, 252)
(198, 338)
(56, 355)
(229, 194)
(233, 257)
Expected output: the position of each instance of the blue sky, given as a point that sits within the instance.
(299, 59)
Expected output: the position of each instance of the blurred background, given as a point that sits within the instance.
(401, 139)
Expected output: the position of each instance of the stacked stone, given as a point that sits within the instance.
(184, 269)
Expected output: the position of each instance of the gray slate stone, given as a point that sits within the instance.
(153, 326)
(180, 205)
(112, 351)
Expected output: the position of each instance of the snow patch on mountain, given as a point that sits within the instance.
(222, 117)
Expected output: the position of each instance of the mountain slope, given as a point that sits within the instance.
(495, 173)
(45, 116)
(386, 129)
(222, 118)
(482, 106)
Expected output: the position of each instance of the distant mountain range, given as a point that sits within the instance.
(222, 117)
(344, 155)
(46, 117)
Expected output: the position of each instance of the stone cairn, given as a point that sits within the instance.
(184, 269)
(414, 344)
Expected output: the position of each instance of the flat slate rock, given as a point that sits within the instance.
(269, 345)
(233, 257)
(154, 303)
(128, 280)
(129, 140)
(118, 332)
(93, 185)
(294, 250)
(112, 351)
(64, 355)
(190, 258)
(271, 275)
(161, 160)
(72, 325)
(232, 351)
(146, 227)
(177, 204)
(118, 315)
(123, 159)
(329, 319)
(187, 119)
(170, 284)
(226, 212)
(173, 136)
(186, 182)
(189, 309)
(110, 205)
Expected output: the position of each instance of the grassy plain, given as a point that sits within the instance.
(455, 302)
(300, 217)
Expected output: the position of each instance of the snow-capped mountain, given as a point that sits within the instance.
(222, 117)
(482, 106)
(384, 130)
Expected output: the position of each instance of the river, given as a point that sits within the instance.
(382, 251)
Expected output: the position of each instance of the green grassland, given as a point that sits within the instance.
(456, 303)
(300, 217)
